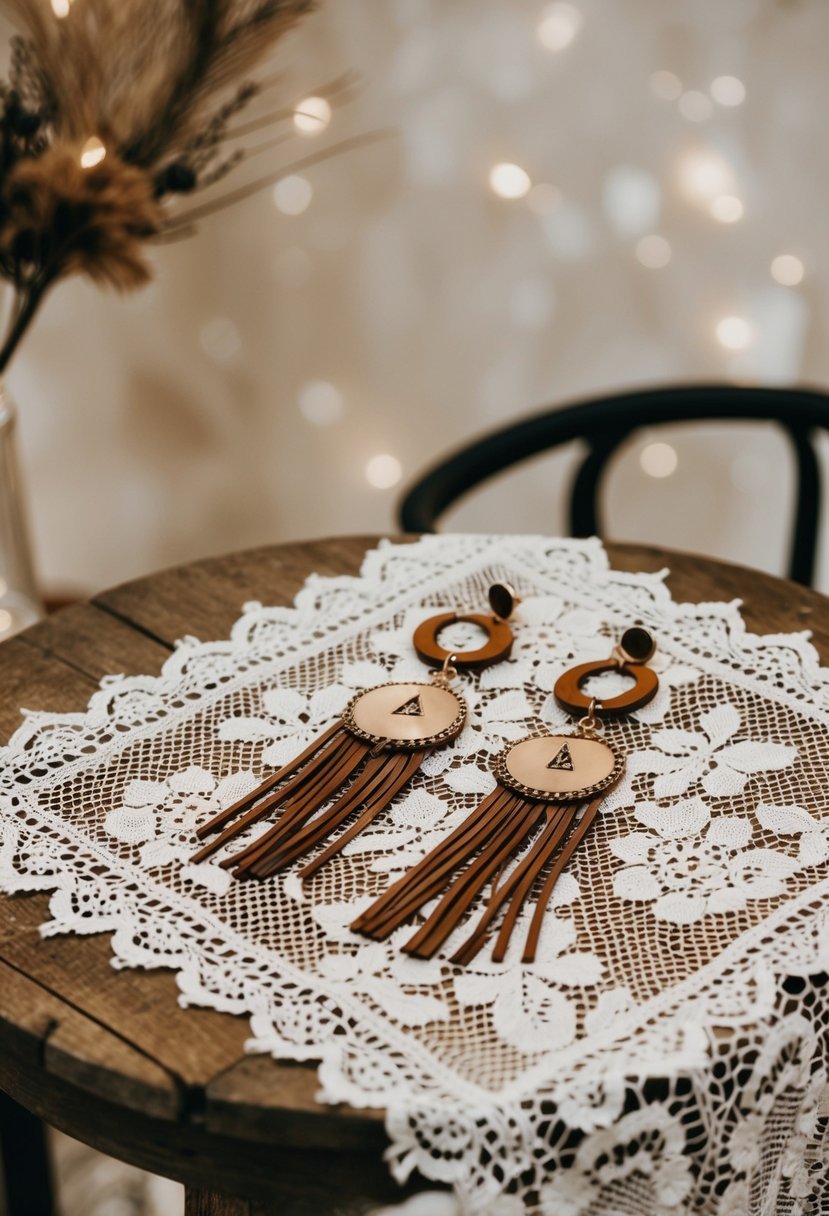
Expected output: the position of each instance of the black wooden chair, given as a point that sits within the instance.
(604, 423)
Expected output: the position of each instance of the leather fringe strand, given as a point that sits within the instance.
(317, 776)
(495, 832)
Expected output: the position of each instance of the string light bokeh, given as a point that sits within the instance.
(573, 198)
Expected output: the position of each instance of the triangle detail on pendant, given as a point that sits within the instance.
(562, 759)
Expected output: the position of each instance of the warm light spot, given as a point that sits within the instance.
(653, 251)
(292, 194)
(728, 91)
(695, 106)
(6, 620)
(312, 115)
(509, 181)
(734, 333)
(320, 403)
(787, 269)
(61, 7)
(726, 208)
(666, 85)
(92, 153)
(658, 460)
(559, 25)
(704, 174)
(383, 471)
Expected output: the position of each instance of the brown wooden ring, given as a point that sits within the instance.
(568, 691)
(497, 647)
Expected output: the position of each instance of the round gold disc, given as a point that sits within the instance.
(559, 768)
(408, 715)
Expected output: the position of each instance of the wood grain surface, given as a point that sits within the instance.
(108, 1056)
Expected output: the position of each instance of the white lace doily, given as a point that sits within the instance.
(668, 1050)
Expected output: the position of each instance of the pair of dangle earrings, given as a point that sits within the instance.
(377, 746)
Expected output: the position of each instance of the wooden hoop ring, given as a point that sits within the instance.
(568, 691)
(496, 648)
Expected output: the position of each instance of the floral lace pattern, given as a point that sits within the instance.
(668, 1050)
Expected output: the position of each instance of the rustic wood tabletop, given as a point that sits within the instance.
(108, 1056)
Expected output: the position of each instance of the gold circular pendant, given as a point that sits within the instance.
(410, 716)
(559, 768)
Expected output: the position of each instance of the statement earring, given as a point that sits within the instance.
(380, 741)
(543, 780)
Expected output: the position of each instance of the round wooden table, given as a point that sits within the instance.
(108, 1056)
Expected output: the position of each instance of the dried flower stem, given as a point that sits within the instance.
(188, 218)
(29, 302)
(341, 90)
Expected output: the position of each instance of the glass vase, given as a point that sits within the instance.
(20, 602)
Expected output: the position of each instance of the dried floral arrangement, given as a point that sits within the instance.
(113, 112)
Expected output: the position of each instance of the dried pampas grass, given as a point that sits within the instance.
(113, 110)
(91, 220)
(143, 74)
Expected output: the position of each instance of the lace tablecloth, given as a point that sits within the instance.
(667, 1051)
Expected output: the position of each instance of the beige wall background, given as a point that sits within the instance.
(241, 398)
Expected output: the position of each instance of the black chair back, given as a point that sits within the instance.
(604, 423)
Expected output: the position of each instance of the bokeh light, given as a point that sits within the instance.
(734, 333)
(312, 115)
(658, 460)
(383, 471)
(728, 91)
(559, 25)
(787, 269)
(92, 153)
(320, 402)
(292, 195)
(509, 181)
(703, 174)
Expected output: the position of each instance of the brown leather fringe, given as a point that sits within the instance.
(429, 876)
(301, 789)
(575, 839)
(520, 881)
(495, 832)
(302, 798)
(518, 819)
(380, 800)
(326, 764)
(540, 854)
(224, 817)
(374, 788)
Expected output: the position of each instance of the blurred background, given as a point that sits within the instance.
(572, 197)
